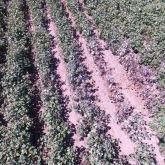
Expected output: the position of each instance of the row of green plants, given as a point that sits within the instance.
(16, 146)
(78, 9)
(3, 49)
(56, 146)
(142, 24)
(83, 23)
(139, 21)
(86, 29)
(101, 149)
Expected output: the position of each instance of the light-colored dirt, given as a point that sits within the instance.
(127, 147)
(74, 117)
(121, 78)
(61, 70)
(154, 142)
(31, 26)
(129, 91)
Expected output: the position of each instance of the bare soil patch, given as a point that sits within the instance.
(127, 87)
(127, 147)
(130, 91)
(74, 117)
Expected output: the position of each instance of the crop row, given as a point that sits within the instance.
(83, 23)
(100, 148)
(141, 25)
(87, 30)
(16, 146)
(56, 141)
(3, 49)
(120, 20)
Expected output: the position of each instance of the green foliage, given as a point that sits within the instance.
(159, 125)
(142, 22)
(103, 150)
(16, 147)
(114, 19)
(93, 117)
(144, 155)
(118, 20)
(57, 138)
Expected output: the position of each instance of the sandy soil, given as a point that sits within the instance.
(30, 25)
(127, 147)
(130, 92)
(120, 76)
(128, 89)
(74, 117)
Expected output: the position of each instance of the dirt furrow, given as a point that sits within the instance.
(129, 91)
(121, 78)
(127, 147)
(74, 117)
(61, 70)
(120, 75)
(146, 82)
